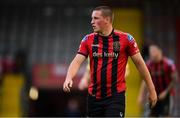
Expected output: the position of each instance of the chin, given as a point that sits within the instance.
(96, 31)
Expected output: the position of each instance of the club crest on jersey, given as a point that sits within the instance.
(116, 46)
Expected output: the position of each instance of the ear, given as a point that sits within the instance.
(107, 19)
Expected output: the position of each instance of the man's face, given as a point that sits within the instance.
(154, 53)
(98, 21)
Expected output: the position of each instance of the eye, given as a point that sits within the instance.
(96, 18)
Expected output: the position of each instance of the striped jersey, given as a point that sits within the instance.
(161, 73)
(108, 58)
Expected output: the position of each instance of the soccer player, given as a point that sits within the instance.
(163, 72)
(108, 50)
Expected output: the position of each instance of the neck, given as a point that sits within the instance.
(107, 31)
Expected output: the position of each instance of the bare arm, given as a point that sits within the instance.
(168, 89)
(174, 80)
(72, 71)
(141, 66)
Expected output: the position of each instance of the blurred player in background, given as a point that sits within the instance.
(163, 72)
(84, 82)
(108, 51)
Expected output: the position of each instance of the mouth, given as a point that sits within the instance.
(93, 27)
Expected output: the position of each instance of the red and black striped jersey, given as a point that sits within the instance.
(108, 58)
(161, 73)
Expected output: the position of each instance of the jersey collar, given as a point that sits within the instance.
(108, 35)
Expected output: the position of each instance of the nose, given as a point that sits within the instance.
(92, 21)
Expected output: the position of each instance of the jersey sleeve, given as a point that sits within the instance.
(83, 47)
(132, 46)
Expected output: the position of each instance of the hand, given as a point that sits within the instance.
(83, 84)
(162, 95)
(67, 85)
(153, 98)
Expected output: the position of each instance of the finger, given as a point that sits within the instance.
(153, 103)
(66, 88)
(152, 106)
(70, 84)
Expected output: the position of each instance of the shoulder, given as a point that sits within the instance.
(124, 35)
(120, 33)
(169, 61)
(88, 37)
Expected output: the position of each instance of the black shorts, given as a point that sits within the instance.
(113, 106)
(162, 108)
